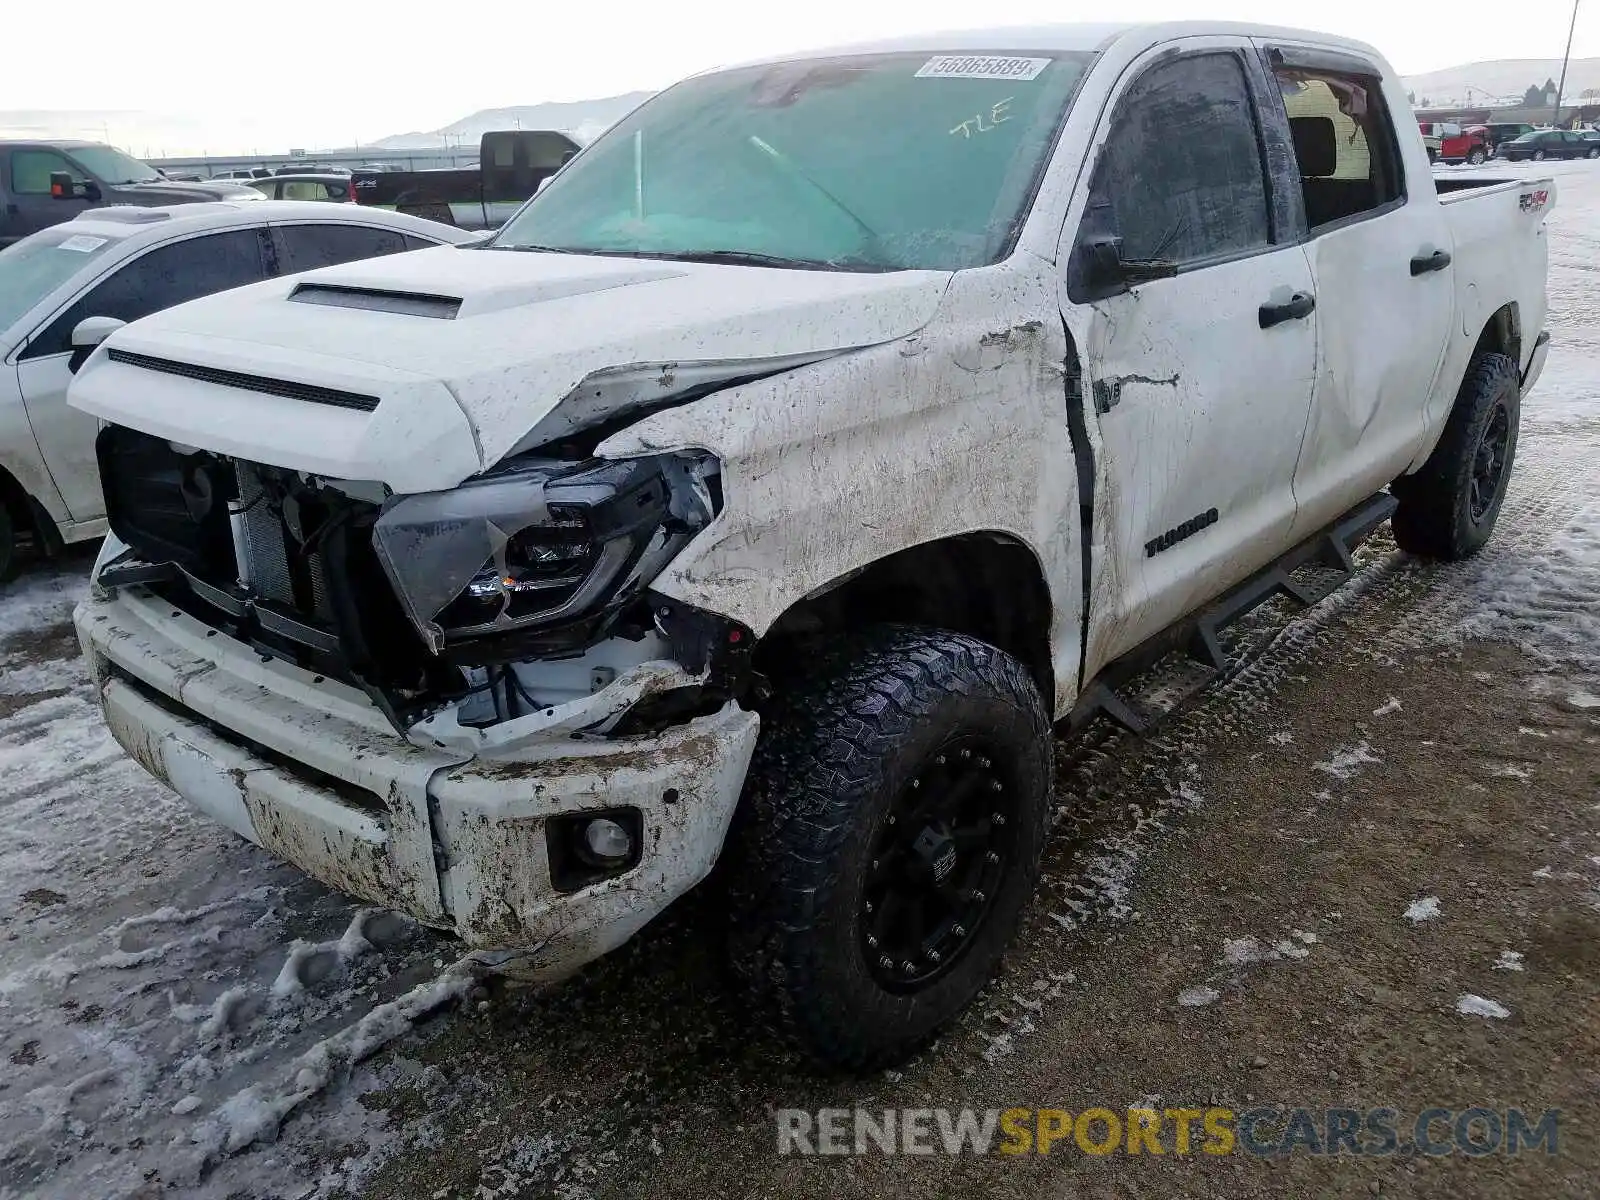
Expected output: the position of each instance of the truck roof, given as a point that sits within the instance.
(58, 143)
(1063, 37)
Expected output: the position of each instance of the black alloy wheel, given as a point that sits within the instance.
(1489, 463)
(937, 864)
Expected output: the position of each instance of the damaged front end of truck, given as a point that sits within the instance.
(464, 611)
(564, 747)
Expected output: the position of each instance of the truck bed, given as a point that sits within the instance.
(1456, 187)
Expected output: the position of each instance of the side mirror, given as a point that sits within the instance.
(64, 187)
(1103, 262)
(87, 335)
(1107, 272)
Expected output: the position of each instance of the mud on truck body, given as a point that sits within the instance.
(766, 491)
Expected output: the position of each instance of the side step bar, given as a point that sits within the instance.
(1198, 635)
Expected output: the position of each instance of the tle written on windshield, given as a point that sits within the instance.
(886, 162)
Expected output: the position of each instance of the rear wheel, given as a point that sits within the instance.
(1539, 156)
(1448, 509)
(889, 837)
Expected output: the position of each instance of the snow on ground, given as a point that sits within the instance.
(168, 993)
(1477, 1006)
(1426, 909)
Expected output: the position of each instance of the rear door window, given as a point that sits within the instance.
(158, 279)
(326, 244)
(1344, 143)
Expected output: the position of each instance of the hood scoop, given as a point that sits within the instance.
(410, 304)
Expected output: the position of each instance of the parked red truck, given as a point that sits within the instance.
(1451, 143)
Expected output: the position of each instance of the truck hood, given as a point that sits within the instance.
(422, 369)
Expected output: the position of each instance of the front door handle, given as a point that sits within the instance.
(1423, 263)
(1297, 308)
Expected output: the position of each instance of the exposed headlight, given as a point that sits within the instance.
(539, 543)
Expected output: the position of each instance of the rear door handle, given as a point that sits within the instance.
(1423, 263)
(1297, 308)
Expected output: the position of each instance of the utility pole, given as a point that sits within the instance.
(1562, 86)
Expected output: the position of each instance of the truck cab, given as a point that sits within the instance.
(43, 183)
(512, 165)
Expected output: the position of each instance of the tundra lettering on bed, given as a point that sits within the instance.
(747, 499)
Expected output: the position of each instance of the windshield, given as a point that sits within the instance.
(878, 162)
(34, 267)
(110, 165)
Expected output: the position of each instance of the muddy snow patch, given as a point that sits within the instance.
(1392, 706)
(1478, 1006)
(1583, 700)
(1509, 960)
(1346, 762)
(1242, 951)
(1198, 997)
(1426, 909)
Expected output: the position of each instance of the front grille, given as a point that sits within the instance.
(282, 571)
(308, 392)
(261, 531)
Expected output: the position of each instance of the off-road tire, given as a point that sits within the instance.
(837, 749)
(1435, 517)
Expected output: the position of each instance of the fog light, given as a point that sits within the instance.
(606, 843)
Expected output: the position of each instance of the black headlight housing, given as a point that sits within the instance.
(539, 552)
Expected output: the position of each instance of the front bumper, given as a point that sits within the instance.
(308, 769)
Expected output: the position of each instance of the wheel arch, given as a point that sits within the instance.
(28, 513)
(1501, 334)
(986, 584)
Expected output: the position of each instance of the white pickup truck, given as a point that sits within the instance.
(767, 490)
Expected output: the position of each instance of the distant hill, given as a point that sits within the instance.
(1503, 79)
(585, 120)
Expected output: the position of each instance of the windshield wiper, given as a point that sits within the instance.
(739, 258)
(752, 258)
(788, 164)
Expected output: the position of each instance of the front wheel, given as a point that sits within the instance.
(1477, 157)
(890, 835)
(1448, 509)
(1594, 152)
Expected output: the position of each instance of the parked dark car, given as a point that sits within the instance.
(1549, 143)
(1507, 131)
(43, 183)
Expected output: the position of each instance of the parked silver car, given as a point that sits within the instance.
(63, 289)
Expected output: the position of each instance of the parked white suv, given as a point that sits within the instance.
(766, 490)
(64, 288)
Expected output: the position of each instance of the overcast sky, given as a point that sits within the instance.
(330, 72)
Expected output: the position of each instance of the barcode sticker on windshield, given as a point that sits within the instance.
(967, 66)
(81, 242)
